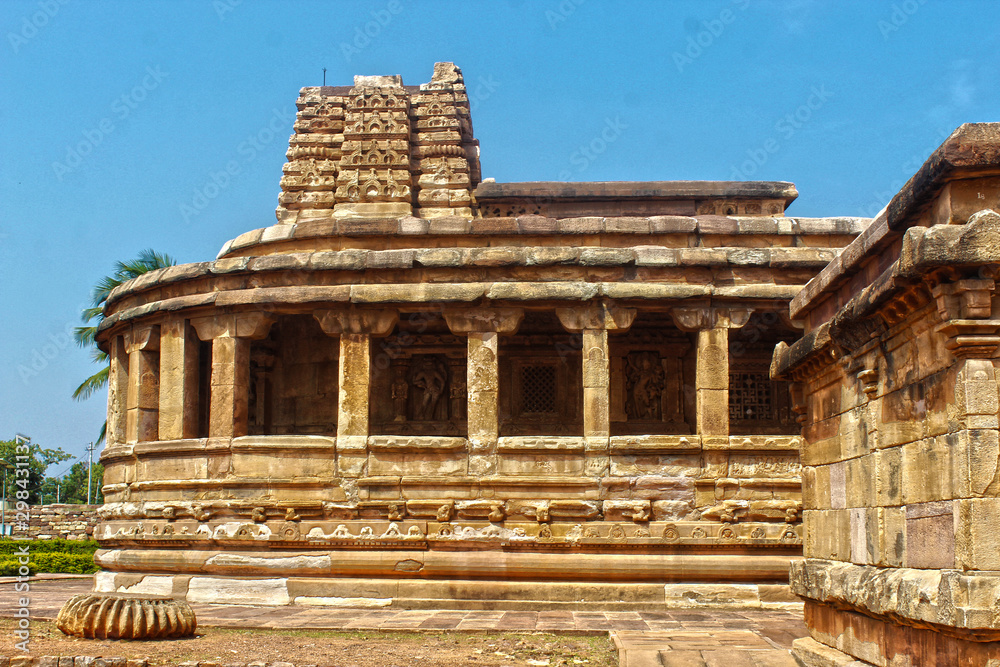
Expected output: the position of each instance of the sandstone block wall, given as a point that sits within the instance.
(897, 380)
(68, 522)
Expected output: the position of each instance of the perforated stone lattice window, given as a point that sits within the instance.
(538, 389)
(750, 397)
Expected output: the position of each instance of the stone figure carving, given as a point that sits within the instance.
(444, 513)
(645, 383)
(400, 392)
(429, 380)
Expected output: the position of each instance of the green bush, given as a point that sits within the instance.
(62, 556)
(50, 562)
(9, 568)
(85, 547)
(64, 563)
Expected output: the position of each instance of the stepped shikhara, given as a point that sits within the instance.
(381, 149)
(419, 388)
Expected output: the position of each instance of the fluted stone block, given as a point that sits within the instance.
(123, 616)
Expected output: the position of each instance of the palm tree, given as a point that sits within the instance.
(148, 260)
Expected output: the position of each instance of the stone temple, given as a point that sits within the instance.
(421, 389)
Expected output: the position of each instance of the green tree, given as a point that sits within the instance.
(73, 485)
(148, 260)
(38, 459)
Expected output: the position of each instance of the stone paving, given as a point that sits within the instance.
(668, 638)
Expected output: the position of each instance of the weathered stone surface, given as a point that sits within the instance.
(125, 616)
(896, 384)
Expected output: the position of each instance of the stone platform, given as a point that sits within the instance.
(689, 637)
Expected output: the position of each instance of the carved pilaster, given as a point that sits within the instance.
(483, 328)
(117, 390)
(229, 390)
(593, 323)
(712, 365)
(355, 327)
(143, 397)
(178, 381)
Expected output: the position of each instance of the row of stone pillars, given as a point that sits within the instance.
(157, 366)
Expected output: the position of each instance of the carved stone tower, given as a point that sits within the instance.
(381, 149)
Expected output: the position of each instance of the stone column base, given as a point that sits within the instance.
(810, 653)
(852, 639)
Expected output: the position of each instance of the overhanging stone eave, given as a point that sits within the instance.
(972, 149)
(540, 294)
(271, 240)
(653, 190)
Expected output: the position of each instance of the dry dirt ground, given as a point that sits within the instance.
(321, 647)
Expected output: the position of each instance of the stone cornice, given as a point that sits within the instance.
(281, 235)
(951, 601)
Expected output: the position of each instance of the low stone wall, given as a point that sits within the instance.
(69, 522)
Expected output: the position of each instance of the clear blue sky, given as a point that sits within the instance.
(114, 114)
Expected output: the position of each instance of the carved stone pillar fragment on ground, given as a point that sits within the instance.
(143, 399)
(178, 381)
(230, 379)
(483, 328)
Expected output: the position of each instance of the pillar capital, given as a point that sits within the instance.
(700, 318)
(374, 322)
(143, 337)
(254, 326)
(606, 315)
(483, 320)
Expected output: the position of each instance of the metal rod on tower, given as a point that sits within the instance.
(90, 467)
(324, 76)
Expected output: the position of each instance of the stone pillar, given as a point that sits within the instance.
(178, 381)
(483, 328)
(143, 395)
(228, 393)
(712, 364)
(355, 329)
(117, 390)
(712, 382)
(593, 322)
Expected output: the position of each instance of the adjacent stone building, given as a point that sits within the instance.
(420, 388)
(896, 378)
